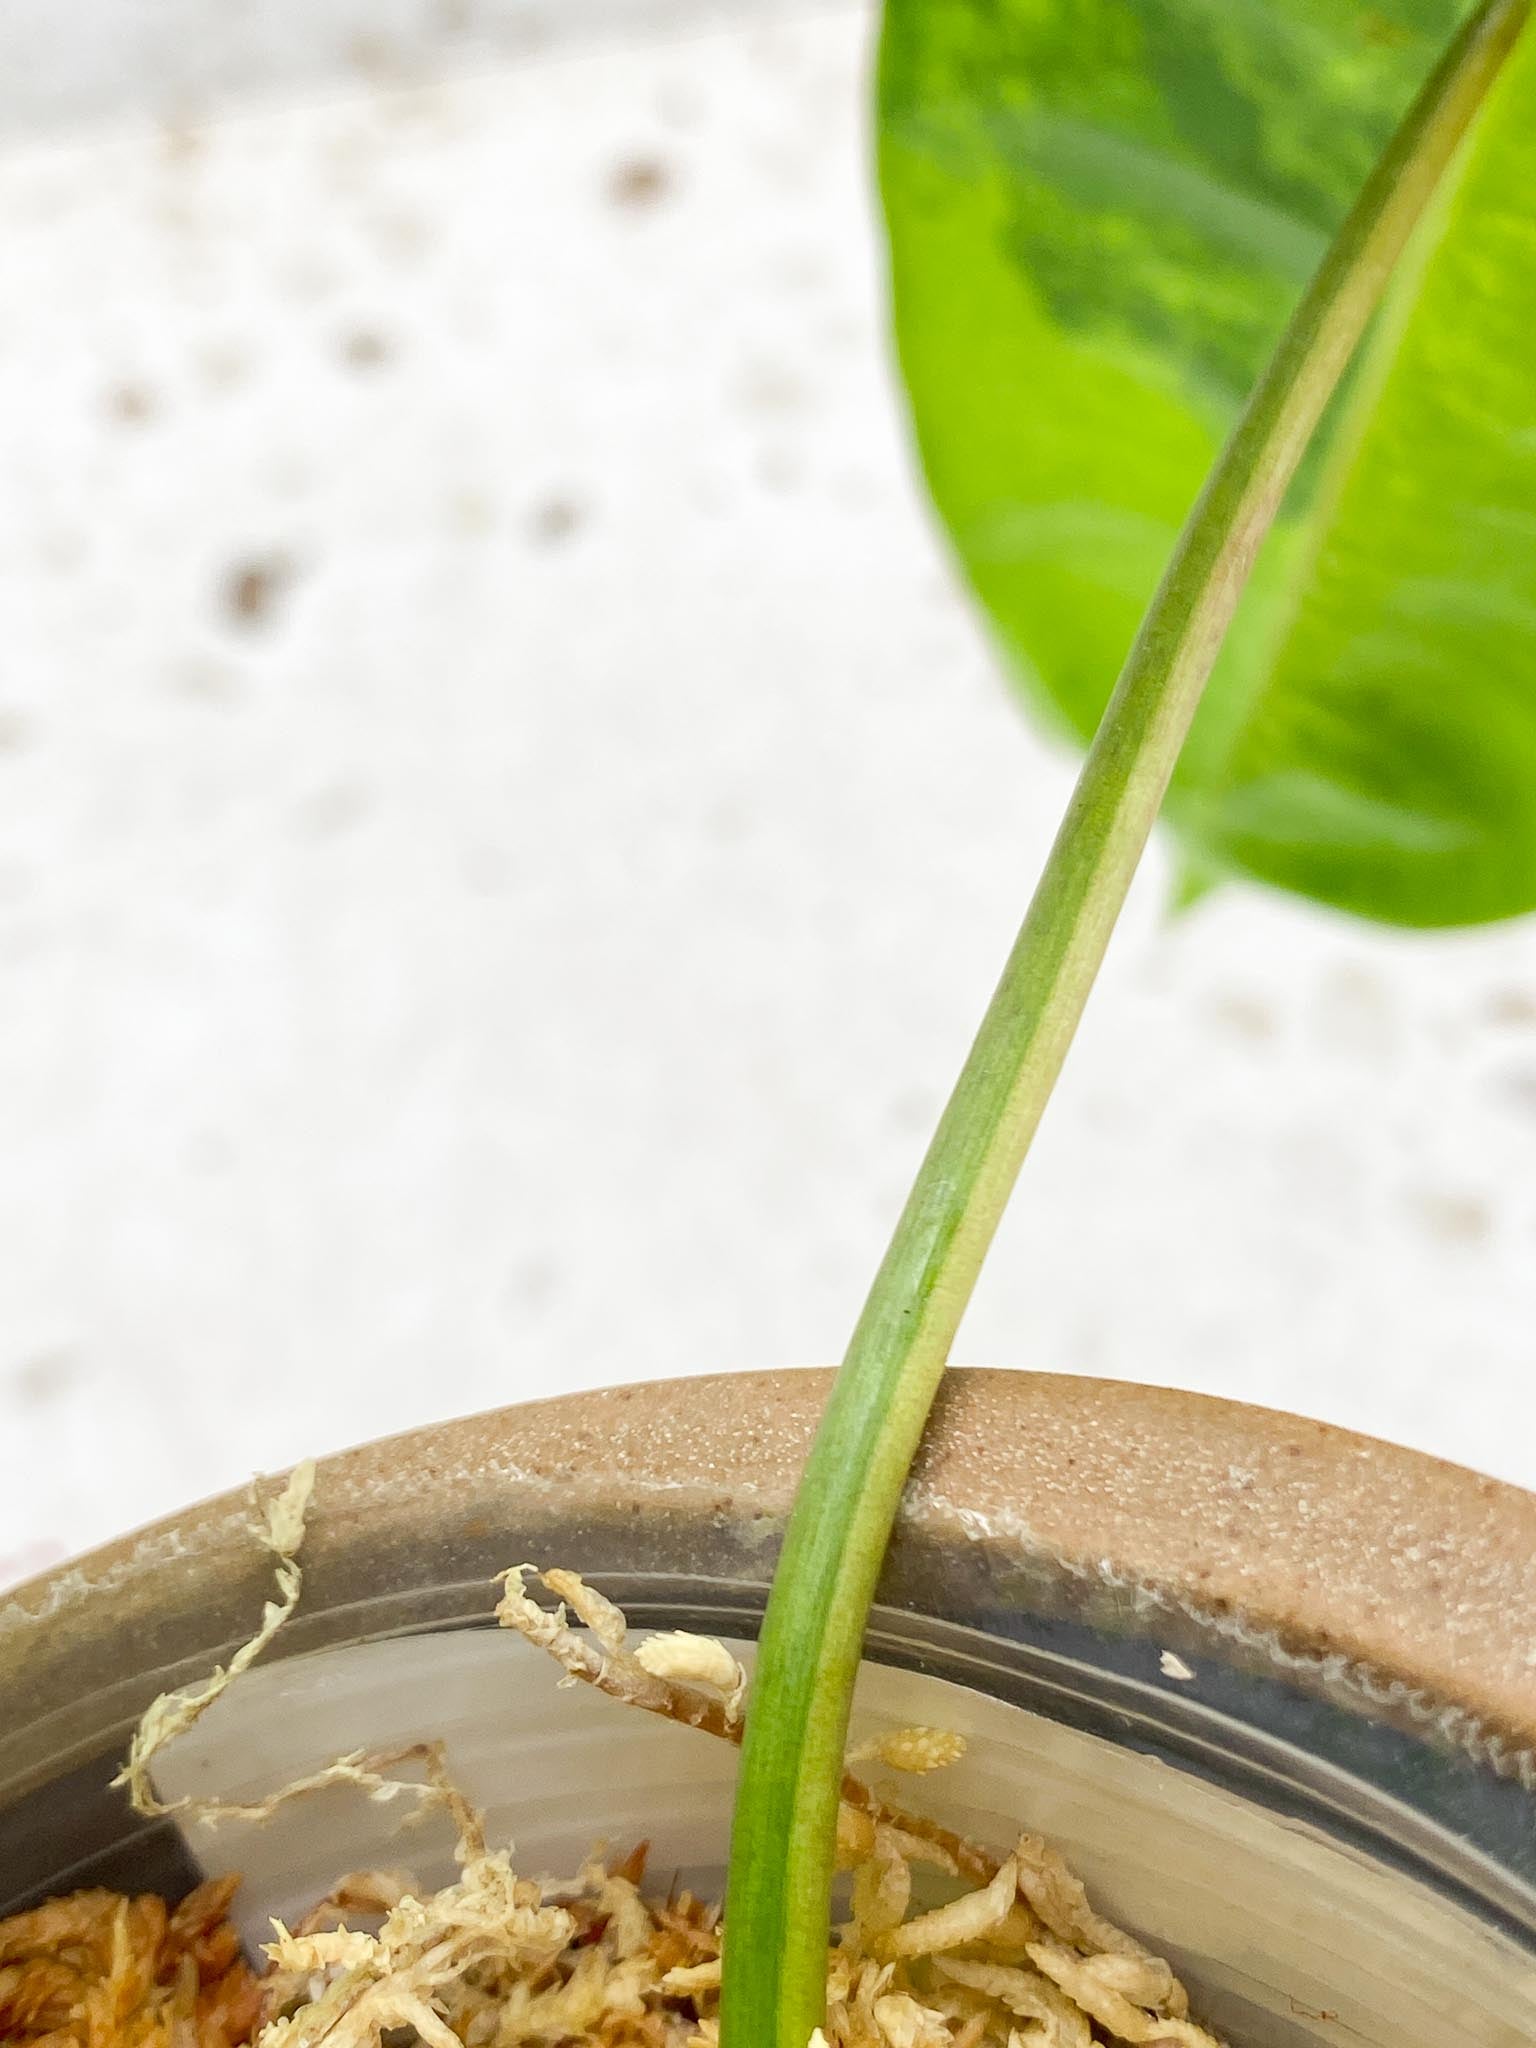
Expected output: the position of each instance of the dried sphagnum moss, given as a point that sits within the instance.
(278, 1527)
(1019, 1959)
(97, 1970)
(495, 1962)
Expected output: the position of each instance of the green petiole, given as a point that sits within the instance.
(778, 1899)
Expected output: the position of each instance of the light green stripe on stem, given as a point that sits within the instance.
(778, 1899)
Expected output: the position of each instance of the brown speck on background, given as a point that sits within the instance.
(223, 365)
(332, 810)
(472, 513)
(1354, 1013)
(533, 1283)
(254, 588)
(1515, 1007)
(180, 139)
(1454, 1218)
(63, 548)
(45, 1377)
(772, 388)
(200, 677)
(366, 349)
(378, 59)
(777, 468)
(1244, 1016)
(639, 182)
(130, 404)
(399, 237)
(553, 520)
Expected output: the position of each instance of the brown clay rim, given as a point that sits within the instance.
(1241, 1530)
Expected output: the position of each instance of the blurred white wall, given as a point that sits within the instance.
(506, 822)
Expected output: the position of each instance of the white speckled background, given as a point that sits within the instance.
(506, 823)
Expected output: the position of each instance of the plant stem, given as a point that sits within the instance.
(778, 1900)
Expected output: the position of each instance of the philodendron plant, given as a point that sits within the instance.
(1103, 217)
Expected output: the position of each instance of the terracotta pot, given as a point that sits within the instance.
(1271, 1687)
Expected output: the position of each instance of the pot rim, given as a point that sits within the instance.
(1344, 1563)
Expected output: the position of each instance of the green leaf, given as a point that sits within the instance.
(1100, 213)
